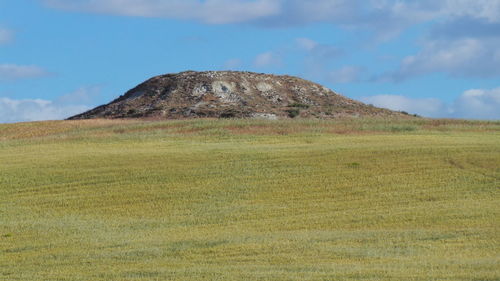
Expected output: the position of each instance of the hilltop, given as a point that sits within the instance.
(231, 94)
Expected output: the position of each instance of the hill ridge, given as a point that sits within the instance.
(231, 94)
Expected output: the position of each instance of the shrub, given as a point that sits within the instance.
(299, 105)
(229, 114)
(292, 113)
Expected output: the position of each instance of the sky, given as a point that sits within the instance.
(435, 58)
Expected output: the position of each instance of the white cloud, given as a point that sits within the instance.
(462, 47)
(465, 27)
(486, 9)
(428, 10)
(428, 107)
(218, 11)
(24, 110)
(472, 104)
(267, 59)
(6, 36)
(478, 104)
(384, 16)
(464, 42)
(14, 72)
(209, 11)
(463, 57)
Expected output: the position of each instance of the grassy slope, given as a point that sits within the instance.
(250, 200)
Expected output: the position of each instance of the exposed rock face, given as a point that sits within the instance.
(228, 94)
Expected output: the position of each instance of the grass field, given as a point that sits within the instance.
(359, 199)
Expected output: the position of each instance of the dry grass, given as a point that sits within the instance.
(250, 200)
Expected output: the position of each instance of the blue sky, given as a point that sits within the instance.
(433, 58)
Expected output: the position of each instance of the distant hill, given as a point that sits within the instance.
(230, 94)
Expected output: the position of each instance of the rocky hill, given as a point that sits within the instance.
(230, 94)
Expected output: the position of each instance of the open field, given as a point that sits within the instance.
(250, 200)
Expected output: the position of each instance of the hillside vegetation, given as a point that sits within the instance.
(353, 199)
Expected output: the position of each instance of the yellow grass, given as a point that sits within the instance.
(250, 200)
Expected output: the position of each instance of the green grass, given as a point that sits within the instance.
(353, 199)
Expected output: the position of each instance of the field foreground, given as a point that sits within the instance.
(359, 199)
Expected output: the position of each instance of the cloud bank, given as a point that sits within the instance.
(375, 13)
(25, 110)
(463, 47)
(472, 104)
(209, 11)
